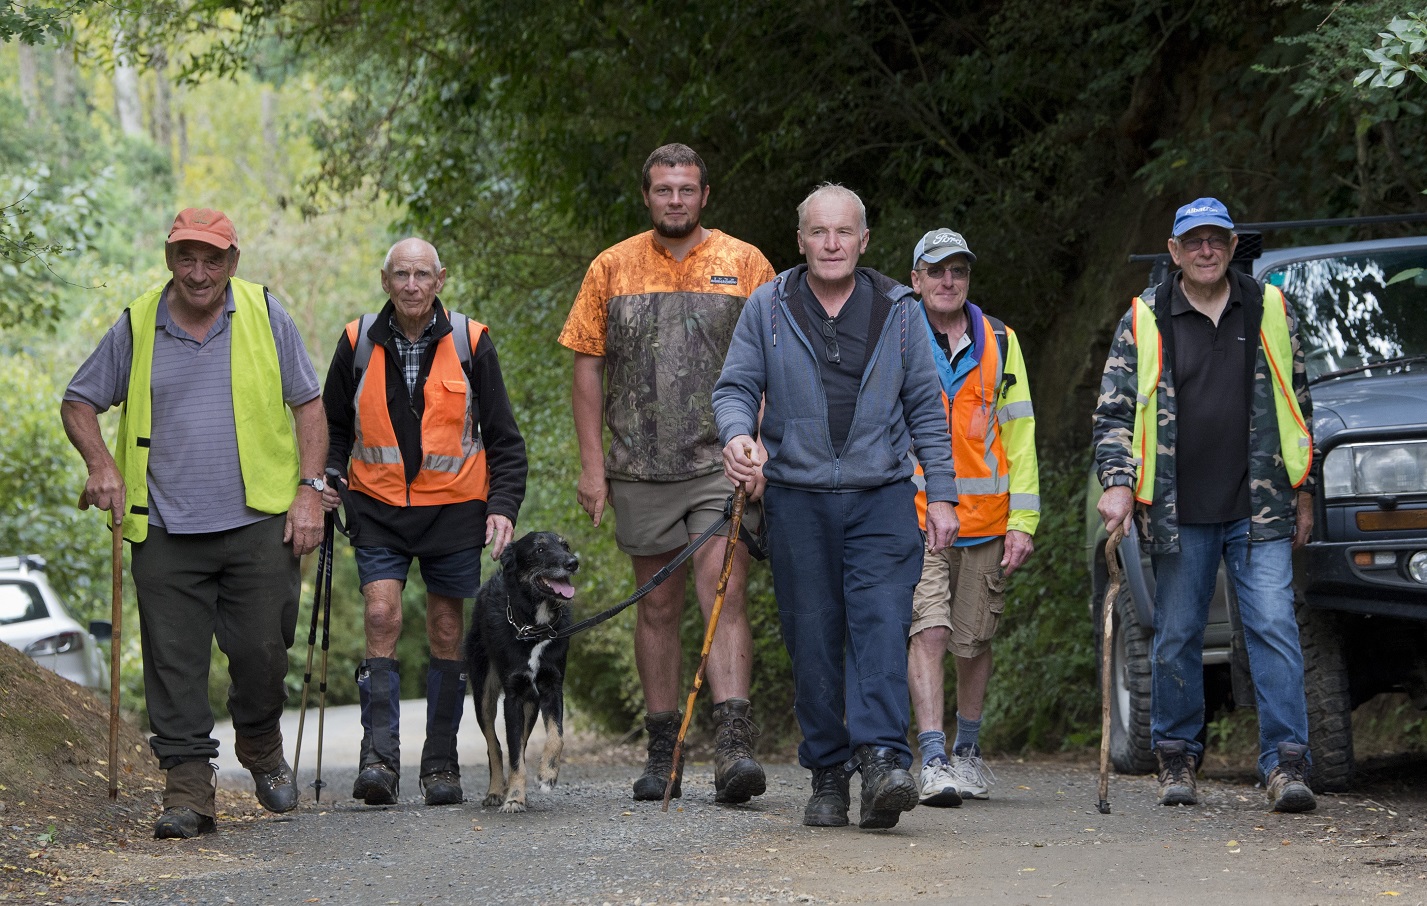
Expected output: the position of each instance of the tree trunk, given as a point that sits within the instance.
(161, 116)
(272, 162)
(29, 82)
(127, 106)
(62, 85)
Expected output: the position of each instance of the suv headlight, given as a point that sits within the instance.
(1375, 469)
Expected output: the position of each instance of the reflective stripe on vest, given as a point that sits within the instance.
(1295, 440)
(453, 465)
(267, 451)
(983, 479)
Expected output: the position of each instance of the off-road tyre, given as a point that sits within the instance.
(1132, 646)
(1330, 706)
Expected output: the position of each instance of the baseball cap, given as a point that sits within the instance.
(939, 245)
(204, 225)
(1201, 212)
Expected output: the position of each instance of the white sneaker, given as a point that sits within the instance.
(938, 788)
(972, 776)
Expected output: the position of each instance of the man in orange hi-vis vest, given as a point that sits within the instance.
(958, 603)
(417, 406)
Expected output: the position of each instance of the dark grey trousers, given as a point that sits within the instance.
(240, 587)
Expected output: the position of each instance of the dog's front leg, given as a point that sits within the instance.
(490, 699)
(518, 721)
(552, 706)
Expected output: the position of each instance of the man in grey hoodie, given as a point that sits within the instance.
(833, 354)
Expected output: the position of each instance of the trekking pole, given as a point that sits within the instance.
(733, 526)
(325, 576)
(311, 639)
(116, 619)
(1112, 563)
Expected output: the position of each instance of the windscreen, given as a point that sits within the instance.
(1349, 315)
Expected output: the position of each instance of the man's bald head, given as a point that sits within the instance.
(412, 246)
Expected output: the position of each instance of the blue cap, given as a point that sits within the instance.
(1201, 212)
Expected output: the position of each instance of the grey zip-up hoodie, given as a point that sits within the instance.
(899, 406)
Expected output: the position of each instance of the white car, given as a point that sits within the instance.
(33, 620)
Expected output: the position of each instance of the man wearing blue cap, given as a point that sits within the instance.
(1202, 435)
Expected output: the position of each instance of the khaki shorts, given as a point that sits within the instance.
(656, 517)
(963, 589)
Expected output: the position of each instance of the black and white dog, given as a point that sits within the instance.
(511, 651)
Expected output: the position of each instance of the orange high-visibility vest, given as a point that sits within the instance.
(453, 464)
(983, 479)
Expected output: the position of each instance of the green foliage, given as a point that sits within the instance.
(1044, 694)
(30, 23)
(1399, 52)
(40, 480)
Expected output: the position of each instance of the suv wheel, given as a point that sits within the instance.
(1330, 707)
(1130, 750)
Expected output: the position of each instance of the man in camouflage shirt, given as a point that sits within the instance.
(1202, 435)
(649, 330)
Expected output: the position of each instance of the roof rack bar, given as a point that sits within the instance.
(1333, 222)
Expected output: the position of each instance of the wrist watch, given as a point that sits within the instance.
(315, 484)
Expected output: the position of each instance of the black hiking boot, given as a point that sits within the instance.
(830, 799)
(273, 782)
(188, 801)
(888, 789)
(379, 693)
(442, 788)
(737, 776)
(181, 823)
(276, 789)
(377, 784)
(663, 731)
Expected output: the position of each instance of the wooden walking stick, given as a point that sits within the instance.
(1112, 563)
(116, 619)
(734, 523)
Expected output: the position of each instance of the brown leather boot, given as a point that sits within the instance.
(663, 729)
(738, 777)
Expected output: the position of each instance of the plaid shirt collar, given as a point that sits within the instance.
(411, 352)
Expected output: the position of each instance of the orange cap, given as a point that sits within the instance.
(204, 225)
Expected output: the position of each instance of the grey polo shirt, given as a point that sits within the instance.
(195, 481)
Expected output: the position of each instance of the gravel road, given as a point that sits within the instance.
(1039, 839)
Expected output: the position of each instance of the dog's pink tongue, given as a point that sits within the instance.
(561, 587)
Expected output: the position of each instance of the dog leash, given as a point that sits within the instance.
(532, 633)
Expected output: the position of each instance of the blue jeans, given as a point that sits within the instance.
(1262, 573)
(844, 568)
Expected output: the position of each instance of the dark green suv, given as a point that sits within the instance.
(1361, 581)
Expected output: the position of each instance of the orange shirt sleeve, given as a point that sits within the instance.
(585, 327)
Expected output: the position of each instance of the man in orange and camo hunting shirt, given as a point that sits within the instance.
(649, 329)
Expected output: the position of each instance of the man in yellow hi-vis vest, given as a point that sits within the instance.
(1202, 435)
(216, 498)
